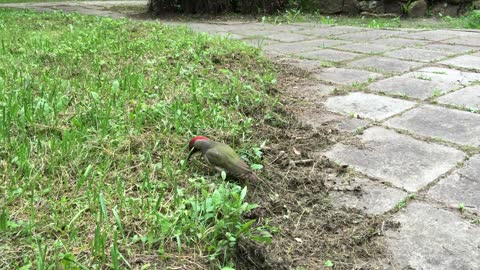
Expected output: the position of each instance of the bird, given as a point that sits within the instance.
(222, 158)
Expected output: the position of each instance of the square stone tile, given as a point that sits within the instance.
(420, 55)
(438, 74)
(367, 105)
(254, 33)
(345, 76)
(399, 42)
(305, 64)
(437, 122)
(288, 48)
(451, 49)
(384, 64)
(434, 239)
(288, 37)
(319, 118)
(462, 186)
(464, 61)
(412, 87)
(434, 35)
(366, 48)
(398, 159)
(469, 41)
(368, 35)
(322, 43)
(328, 55)
(368, 196)
(312, 92)
(468, 98)
(333, 30)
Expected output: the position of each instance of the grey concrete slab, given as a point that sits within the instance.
(399, 42)
(368, 196)
(412, 87)
(436, 122)
(399, 159)
(328, 55)
(333, 30)
(368, 35)
(415, 54)
(259, 42)
(433, 239)
(464, 61)
(468, 98)
(468, 41)
(319, 118)
(384, 64)
(288, 37)
(322, 43)
(451, 49)
(345, 76)
(433, 35)
(366, 48)
(351, 124)
(367, 105)
(446, 75)
(288, 48)
(305, 64)
(313, 91)
(462, 186)
(254, 33)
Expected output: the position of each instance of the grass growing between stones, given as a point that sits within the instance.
(95, 114)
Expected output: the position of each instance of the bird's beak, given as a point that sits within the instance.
(190, 153)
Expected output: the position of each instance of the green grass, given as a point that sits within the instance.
(95, 115)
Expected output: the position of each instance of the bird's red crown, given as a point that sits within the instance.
(197, 138)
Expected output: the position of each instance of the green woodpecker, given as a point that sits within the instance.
(221, 157)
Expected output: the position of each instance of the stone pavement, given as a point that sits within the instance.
(414, 96)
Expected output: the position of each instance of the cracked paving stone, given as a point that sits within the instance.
(367, 105)
(437, 122)
(460, 187)
(398, 159)
(433, 239)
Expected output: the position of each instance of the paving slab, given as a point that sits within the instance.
(433, 35)
(399, 159)
(305, 64)
(345, 76)
(436, 122)
(469, 41)
(415, 54)
(255, 33)
(412, 87)
(384, 64)
(453, 49)
(322, 43)
(288, 37)
(371, 197)
(368, 35)
(332, 30)
(433, 239)
(446, 75)
(464, 61)
(468, 98)
(368, 105)
(328, 55)
(319, 118)
(366, 48)
(288, 48)
(399, 42)
(460, 187)
(259, 42)
(312, 91)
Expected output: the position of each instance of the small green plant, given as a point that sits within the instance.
(329, 263)
(461, 207)
(405, 201)
(437, 92)
(473, 19)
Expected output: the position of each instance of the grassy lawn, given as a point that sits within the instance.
(95, 115)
